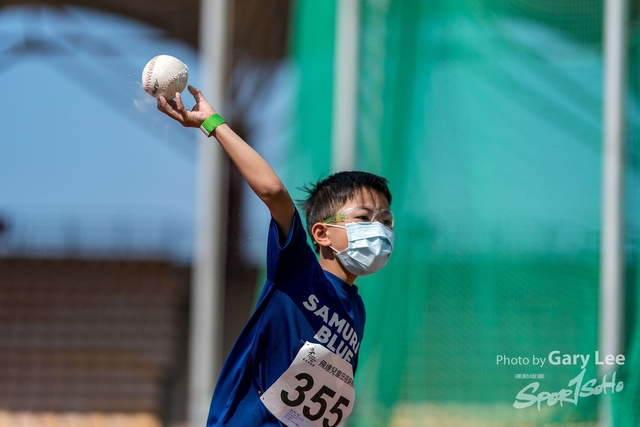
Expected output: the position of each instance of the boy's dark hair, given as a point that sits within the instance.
(331, 193)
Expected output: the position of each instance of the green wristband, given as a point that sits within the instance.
(209, 125)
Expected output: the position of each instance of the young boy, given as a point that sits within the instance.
(294, 361)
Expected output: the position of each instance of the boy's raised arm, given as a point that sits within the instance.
(255, 170)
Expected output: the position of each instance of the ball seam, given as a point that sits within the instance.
(147, 82)
(168, 84)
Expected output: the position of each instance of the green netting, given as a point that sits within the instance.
(312, 41)
(486, 117)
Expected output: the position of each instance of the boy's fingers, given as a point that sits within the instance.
(184, 113)
(196, 94)
(168, 109)
(172, 103)
(161, 102)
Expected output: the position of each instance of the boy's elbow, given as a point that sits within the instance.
(274, 193)
(281, 206)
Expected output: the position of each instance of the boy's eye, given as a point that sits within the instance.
(363, 218)
(387, 223)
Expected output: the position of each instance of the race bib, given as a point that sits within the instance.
(315, 391)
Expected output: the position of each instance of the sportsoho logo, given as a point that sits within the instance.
(576, 388)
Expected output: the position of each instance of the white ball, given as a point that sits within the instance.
(164, 75)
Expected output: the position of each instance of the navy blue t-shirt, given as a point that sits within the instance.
(300, 303)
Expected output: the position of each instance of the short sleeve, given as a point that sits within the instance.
(287, 261)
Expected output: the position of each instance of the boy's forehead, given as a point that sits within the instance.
(367, 198)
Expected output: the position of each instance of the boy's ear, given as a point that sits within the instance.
(319, 233)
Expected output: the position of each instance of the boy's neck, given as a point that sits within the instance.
(334, 267)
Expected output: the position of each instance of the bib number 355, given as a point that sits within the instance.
(319, 402)
(316, 391)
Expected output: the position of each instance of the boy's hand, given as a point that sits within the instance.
(188, 118)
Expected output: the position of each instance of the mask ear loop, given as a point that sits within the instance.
(335, 226)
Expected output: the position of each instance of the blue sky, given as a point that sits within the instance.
(81, 142)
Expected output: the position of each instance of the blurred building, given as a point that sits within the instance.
(85, 336)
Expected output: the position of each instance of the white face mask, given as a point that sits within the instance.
(369, 249)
